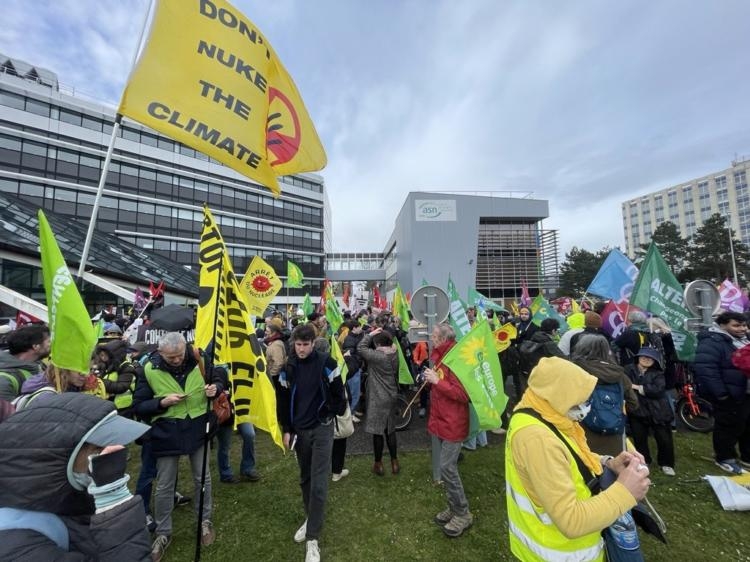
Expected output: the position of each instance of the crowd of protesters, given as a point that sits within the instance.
(166, 387)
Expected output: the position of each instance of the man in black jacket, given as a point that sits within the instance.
(174, 395)
(65, 494)
(310, 395)
(720, 382)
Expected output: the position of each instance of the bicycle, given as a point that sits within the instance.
(402, 413)
(695, 412)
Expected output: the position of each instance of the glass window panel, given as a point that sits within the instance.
(67, 156)
(149, 139)
(10, 143)
(11, 100)
(31, 147)
(91, 123)
(131, 134)
(67, 116)
(37, 107)
(166, 144)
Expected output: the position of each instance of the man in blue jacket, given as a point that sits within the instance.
(310, 394)
(727, 388)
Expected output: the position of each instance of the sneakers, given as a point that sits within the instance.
(208, 535)
(458, 524)
(159, 547)
(252, 476)
(443, 517)
(356, 419)
(313, 552)
(668, 470)
(301, 534)
(422, 412)
(150, 523)
(731, 466)
(179, 499)
(343, 474)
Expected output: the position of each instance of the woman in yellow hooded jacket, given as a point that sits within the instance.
(552, 512)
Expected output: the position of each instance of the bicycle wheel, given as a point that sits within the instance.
(402, 421)
(701, 421)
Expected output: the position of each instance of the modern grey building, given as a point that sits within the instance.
(689, 204)
(492, 242)
(52, 146)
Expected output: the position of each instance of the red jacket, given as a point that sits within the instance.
(449, 403)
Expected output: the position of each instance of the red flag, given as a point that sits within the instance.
(376, 297)
(346, 294)
(321, 309)
(23, 318)
(525, 297)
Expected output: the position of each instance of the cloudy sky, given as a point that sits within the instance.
(583, 103)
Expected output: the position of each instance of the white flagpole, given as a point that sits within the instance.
(108, 158)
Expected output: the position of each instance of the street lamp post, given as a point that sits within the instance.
(731, 250)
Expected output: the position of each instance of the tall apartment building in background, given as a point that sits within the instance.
(52, 147)
(689, 204)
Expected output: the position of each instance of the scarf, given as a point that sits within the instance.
(566, 426)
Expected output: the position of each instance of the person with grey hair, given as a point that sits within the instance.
(173, 395)
(637, 334)
(449, 422)
(593, 355)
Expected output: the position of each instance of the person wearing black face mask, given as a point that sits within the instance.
(173, 395)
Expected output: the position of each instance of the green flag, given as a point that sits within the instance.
(404, 374)
(333, 314)
(657, 291)
(401, 308)
(337, 356)
(543, 310)
(307, 306)
(476, 364)
(481, 302)
(294, 277)
(458, 319)
(72, 337)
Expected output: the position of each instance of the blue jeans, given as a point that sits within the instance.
(353, 382)
(146, 476)
(224, 438)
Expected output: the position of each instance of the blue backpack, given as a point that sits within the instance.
(606, 416)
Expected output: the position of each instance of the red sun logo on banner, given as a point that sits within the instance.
(282, 117)
(261, 283)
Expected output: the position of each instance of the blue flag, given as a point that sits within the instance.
(615, 277)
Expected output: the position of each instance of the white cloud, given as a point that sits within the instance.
(584, 103)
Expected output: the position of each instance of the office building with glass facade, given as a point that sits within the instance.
(52, 147)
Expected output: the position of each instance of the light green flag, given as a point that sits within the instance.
(72, 336)
(657, 290)
(458, 319)
(404, 374)
(475, 362)
(333, 314)
(294, 277)
(481, 302)
(307, 306)
(401, 308)
(337, 356)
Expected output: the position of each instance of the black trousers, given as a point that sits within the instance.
(337, 455)
(640, 429)
(731, 428)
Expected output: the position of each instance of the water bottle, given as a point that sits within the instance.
(624, 533)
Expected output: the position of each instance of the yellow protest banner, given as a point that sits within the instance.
(259, 285)
(235, 343)
(209, 79)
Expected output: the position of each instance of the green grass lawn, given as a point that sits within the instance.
(390, 518)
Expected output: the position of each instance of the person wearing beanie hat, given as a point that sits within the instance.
(653, 414)
(592, 325)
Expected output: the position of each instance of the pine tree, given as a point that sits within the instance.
(671, 246)
(709, 256)
(579, 269)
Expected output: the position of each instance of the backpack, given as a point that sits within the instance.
(530, 354)
(606, 416)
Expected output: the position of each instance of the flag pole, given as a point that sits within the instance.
(108, 158)
(206, 436)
